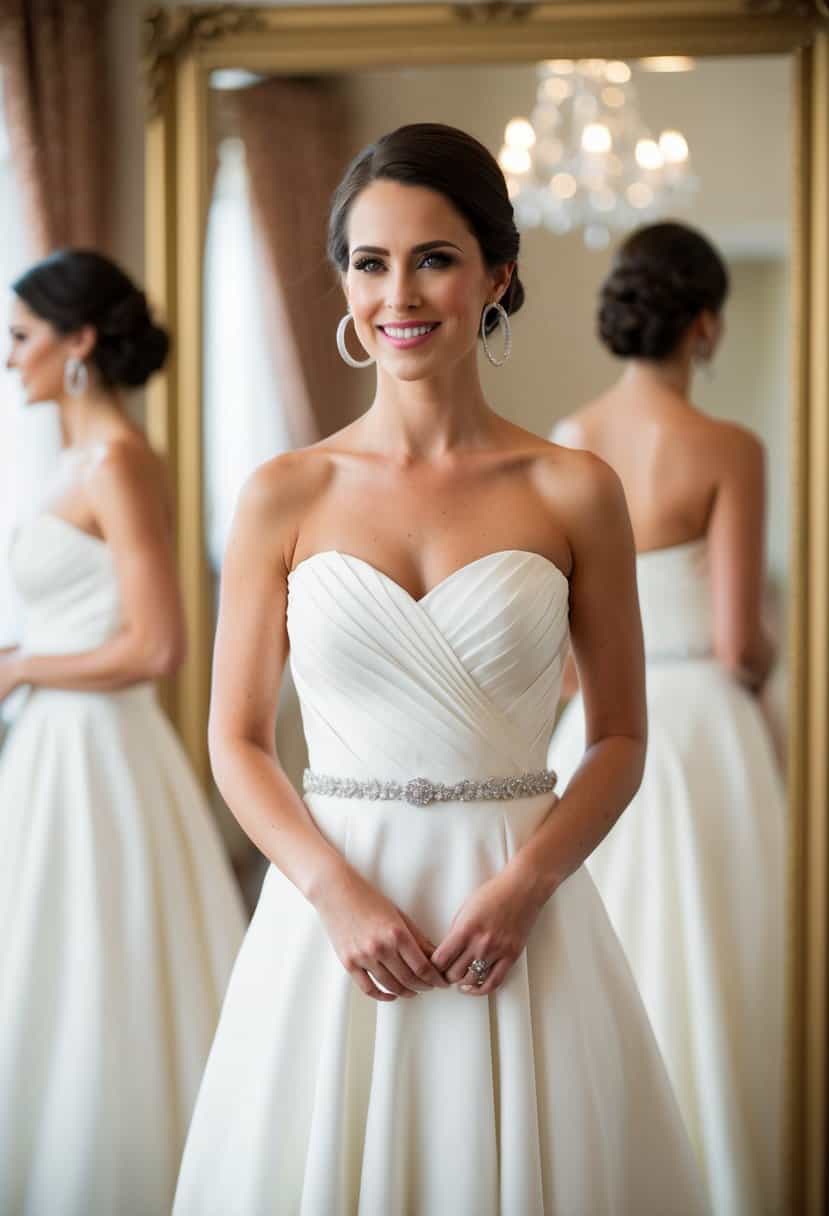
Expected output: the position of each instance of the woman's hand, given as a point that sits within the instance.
(492, 925)
(11, 671)
(375, 941)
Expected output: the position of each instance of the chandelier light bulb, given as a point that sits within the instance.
(613, 97)
(592, 67)
(560, 67)
(596, 138)
(519, 133)
(555, 88)
(585, 159)
(674, 147)
(514, 160)
(648, 154)
(563, 185)
(617, 72)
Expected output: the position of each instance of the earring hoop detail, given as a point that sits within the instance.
(75, 377)
(345, 355)
(503, 322)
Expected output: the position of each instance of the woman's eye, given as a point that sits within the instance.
(436, 261)
(369, 264)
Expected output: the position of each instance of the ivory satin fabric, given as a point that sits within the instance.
(120, 918)
(547, 1099)
(693, 878)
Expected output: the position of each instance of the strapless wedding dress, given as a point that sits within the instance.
(693, 878)
(120, 918)
(549, 1098)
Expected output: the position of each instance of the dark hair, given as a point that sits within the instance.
(663, 277)
(77, 287)
(455, 165)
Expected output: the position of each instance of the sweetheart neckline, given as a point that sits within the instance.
(420, 600)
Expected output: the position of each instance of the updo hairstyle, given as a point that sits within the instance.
(663, 277)
(452, 163)
(77, 287)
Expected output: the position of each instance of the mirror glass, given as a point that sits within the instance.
(274, 380)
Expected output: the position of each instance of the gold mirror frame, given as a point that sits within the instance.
(182, 46)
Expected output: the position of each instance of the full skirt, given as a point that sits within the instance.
(120, 925)
(546, 1099)
(693, 878)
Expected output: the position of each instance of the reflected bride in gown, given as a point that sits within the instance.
(692, 877)
(693, 874)
(120, 916)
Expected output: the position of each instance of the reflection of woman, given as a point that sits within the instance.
(692, 875)
(415, 562)
(120, 918)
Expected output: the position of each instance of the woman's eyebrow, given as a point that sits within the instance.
(422, 248)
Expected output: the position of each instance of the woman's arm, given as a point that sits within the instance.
(736, 545)
(607, 639)
(123, 492)
(373, 939)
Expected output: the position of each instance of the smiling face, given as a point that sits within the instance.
(416, 281)
(39, 353)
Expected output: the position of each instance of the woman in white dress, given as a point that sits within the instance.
(693, 874)
(120, 918)
(430, 1015)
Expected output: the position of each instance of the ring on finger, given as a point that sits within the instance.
(479, 968)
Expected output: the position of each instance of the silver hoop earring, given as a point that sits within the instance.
(343, 349)
(75, 377)
(503, 321)
(702, 358)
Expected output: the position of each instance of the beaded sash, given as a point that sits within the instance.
(422, 792)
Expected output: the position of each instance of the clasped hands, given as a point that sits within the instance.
(378, 944)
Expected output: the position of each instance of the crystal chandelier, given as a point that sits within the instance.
(585, 158)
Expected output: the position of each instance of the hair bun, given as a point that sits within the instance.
(75, 287)
(663, 277)
(643, 312)
(130, 345)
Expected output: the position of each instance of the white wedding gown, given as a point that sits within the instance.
(693, 878)
(548, 1097)
(120, 918)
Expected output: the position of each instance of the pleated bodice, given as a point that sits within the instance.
(462, 683)
(66, 580)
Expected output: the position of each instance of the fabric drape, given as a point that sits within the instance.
(53, 58)
(296, 148)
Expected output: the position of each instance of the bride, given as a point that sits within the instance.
(693, 875)
(119, 915)
(430, 1015)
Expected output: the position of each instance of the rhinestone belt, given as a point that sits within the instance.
(422, 792)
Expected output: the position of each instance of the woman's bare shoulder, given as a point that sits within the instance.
(289, 482)
(721, 444)
(580, 489)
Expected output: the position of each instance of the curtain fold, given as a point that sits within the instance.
(295, 134)
(56, 116)
(53, 59)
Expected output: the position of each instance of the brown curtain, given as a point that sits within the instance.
(296, 148)
(53, 63)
